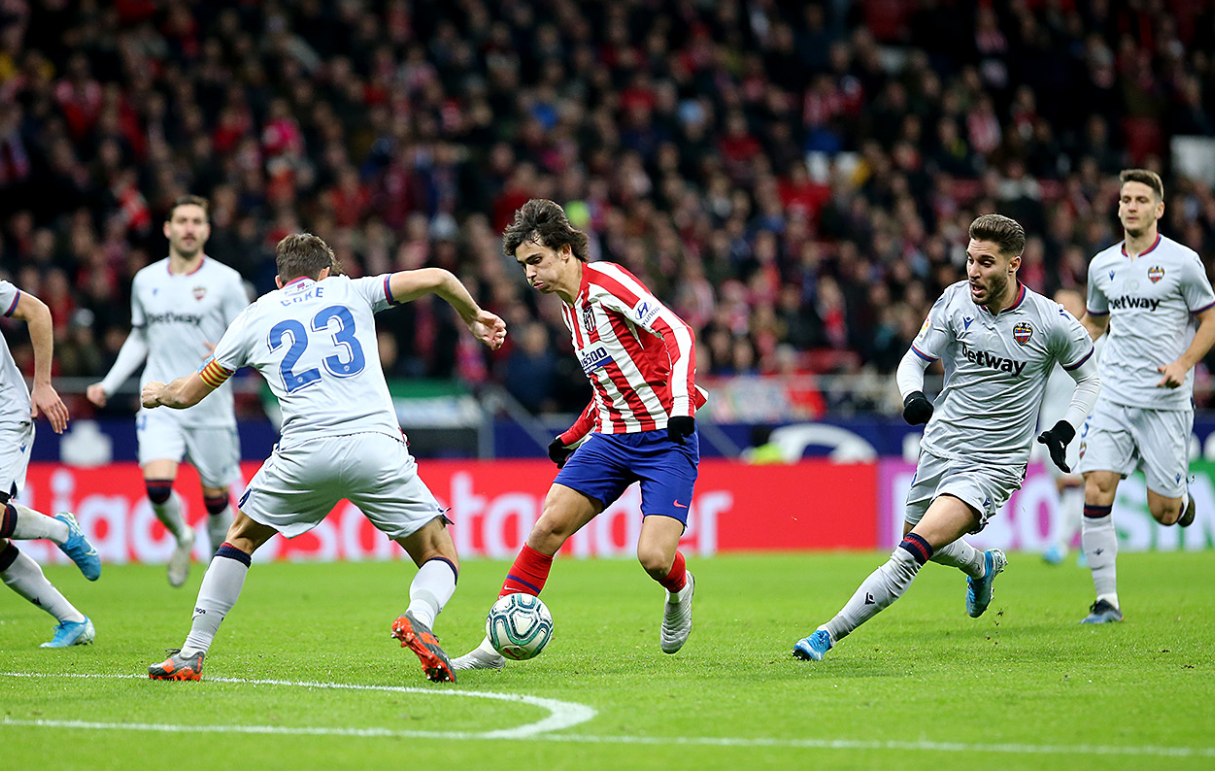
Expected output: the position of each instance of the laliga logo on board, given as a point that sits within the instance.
(1022, 332)
(1155, 273)
(200, 292)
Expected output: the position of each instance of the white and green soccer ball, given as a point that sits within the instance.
(519, 626)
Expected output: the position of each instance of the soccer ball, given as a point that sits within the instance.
(519, 626)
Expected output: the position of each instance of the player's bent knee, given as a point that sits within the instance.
(655, 561)
(159, 490)
(548, 535)
(1166, 513)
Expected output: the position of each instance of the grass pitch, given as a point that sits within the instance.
(1024, 687)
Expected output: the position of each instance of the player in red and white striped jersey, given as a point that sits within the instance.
(640, 425)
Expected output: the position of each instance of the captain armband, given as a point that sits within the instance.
(213, 374)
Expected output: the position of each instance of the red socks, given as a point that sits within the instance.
(528, 574)
(678, 576)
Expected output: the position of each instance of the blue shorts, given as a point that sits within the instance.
(606, 464)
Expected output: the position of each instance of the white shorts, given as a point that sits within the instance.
(298, 486)
(985, 488)
(1122, 439)
(215, 452)
(16, 444)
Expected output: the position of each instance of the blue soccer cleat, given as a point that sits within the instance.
(814, 647)
(79, 549)
(1102, 612)
(69, 633)
(978, 590)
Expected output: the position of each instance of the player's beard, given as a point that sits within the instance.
(188, 253)
(994, 288)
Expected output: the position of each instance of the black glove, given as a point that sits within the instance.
(559, 452)
(680, 427)
(916, 408)
(1056, 440)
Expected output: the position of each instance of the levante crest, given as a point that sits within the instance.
(1022, 332)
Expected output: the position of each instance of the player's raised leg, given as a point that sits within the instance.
(25, 577)
(434, 553)
(221, 587)
(565, 511)
(21, 523)
(946, 520)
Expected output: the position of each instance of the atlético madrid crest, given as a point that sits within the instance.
(1022, 332)
(1155, 273)
(200, 292)
(588, 317)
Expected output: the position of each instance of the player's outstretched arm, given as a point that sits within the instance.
(181, 393)
(1174, 373)
(43, 397)
(409, 285)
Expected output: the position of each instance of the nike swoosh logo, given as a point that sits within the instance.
(680, 505)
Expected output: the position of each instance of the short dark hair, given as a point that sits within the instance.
(302, 254)
(1147, 177)
(189, 200)
(544, 222)
(1006, 233)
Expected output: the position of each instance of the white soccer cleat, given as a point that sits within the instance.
(677, 617)
(179, 563)
(481, 657)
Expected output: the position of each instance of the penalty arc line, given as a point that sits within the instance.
(562, 714)
(568, 714)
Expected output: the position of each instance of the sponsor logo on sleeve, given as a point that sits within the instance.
(646, 311)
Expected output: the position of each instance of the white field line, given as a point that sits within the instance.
(562, 714)
(568, 714)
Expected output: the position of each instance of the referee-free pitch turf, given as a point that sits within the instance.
(305, 675)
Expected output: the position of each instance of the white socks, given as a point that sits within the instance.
(1100, 541)
(220, 590)
(432, 587)
(877, 592)
(32, 525)
(169, 513)
(25, 577)
(962, 556)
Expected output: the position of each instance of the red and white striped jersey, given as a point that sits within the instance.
(639, 356)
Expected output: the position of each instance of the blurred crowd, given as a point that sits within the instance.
(794, 178)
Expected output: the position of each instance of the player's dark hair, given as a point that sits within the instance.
(303, 254)
(1006, 233)
(1145, 176)
(190, 200)
(544, 222)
